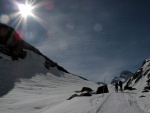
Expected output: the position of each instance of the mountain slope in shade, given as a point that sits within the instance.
(28, 67)
(21, 60)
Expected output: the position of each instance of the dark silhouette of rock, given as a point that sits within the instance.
(147, 88)
(102, 89)
(76, 95)
(142, 96)
(85, 94)
(129, 88)
(11, 40)
(145, 91)
(148, 82)
(87, 89)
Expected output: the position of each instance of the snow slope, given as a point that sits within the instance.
(42, 93)
(26, 98)
(40, 90)
(37, 88)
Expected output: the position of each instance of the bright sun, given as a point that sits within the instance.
(25, 10)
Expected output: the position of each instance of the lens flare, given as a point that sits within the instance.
(4, 19)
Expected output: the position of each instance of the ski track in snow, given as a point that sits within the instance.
(119, 103)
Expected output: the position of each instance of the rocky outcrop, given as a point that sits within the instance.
(102, 89)
(11, 43)
(87, 89)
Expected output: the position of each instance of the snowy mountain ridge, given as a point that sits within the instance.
(21, 60)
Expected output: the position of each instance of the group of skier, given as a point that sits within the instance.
(118, 83)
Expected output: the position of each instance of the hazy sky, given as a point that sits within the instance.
(90, 38)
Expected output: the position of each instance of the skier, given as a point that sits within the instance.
(116, 86)
(120, 84)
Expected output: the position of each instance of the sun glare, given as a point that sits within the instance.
(25, 10)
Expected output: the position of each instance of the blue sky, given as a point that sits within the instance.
(90, 38)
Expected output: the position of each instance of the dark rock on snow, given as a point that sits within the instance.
(142, 96)
(102, 89)
(76, 95)
(129, 88)
(86, 89)
(145, 91)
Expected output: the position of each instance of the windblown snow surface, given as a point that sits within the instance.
(48, 90)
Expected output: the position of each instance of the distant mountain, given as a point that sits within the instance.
(124, 75)
(100, 83)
